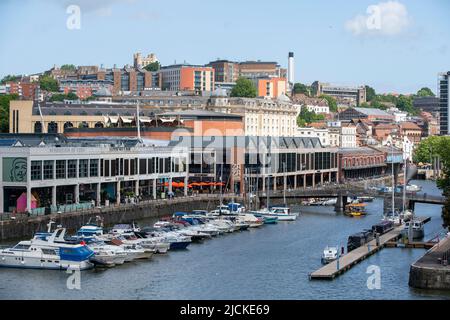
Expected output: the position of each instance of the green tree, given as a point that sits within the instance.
(10, 78)
(71, 96)
(47, 83)
(305, 117)
(68, 67)
(61, 97)
(425, 92)
(429, 148)
(154, 66)
(370, 93)
(332, 104)
(244, 88)
(4, 111)
(405, 103)
(300, 88)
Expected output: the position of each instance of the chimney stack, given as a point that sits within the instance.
(291, 67)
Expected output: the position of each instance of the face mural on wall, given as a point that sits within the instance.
(18, 170)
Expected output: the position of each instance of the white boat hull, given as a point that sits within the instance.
(47, 263)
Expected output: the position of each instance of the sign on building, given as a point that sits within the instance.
(14, 169)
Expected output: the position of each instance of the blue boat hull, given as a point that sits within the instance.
(179, 245)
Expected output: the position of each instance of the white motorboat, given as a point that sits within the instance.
(252, 220)
(124, 228)
(418, 229)
(413, 188)
(51, 252)
(107, 255)
(282, 213)
(330, 202)
(329, 254)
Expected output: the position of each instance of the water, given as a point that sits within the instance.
(272, 262)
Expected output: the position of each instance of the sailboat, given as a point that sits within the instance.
(393, 215)
(414, 228)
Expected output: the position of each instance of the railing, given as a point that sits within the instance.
(72, 208)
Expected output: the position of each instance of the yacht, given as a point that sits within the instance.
(329, 255)
(53, 252)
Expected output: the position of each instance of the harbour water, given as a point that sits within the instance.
(272, 262)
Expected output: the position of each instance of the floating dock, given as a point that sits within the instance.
(347, 261)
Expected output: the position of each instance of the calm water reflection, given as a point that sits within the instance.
(269, 263)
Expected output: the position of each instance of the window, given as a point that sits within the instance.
(151, 166)
(48, 170)
(83, 168)
(36, 170)
(142, 166)
(60, 169)
(71, 169)
(93, 168)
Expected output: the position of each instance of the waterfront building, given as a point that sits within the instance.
(362, 162)
(444, 102)
(183, 77)
(262, 117)
(50, 170)
(250, 163)
(345, 95)
(371, 114)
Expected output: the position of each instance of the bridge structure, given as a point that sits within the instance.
(343, 192)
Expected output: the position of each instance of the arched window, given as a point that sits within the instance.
(99, 125)
(68, 125)
(38, 127)
(52, 127)
(83, 124)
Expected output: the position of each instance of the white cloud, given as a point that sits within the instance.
(389, 18)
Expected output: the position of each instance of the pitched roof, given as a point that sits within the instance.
(373, 112)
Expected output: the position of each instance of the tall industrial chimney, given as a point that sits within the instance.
(291, 67)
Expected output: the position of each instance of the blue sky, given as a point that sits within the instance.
(408, 46)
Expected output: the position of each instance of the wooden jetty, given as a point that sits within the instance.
(347, 261)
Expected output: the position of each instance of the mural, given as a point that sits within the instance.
(14, 169)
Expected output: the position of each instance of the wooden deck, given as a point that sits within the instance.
(347, 261)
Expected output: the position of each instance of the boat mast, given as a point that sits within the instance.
(393, 178)
(284, 184)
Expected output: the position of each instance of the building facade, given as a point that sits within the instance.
(187, 78)
(63, 173)
(444, 102)
(352, 96)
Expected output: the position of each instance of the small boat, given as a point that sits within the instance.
(394, 217)
(329, 254)
(413, 188)
(282, 213)
(363, 199)
(330, 202)
(124, 228)
(359, 239)
(418, 229)
(355, 210)
(53, 253)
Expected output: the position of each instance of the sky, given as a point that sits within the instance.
(393, 46)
